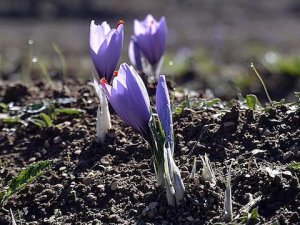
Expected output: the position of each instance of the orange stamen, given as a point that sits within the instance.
(120, 22)
(116, 73)
(103, 81)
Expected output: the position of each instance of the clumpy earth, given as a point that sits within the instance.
(114, 182)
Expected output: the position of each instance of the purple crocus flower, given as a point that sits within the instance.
(134, 54)
(151, 38)
(129, 98)
(105, 47)
(163, 108)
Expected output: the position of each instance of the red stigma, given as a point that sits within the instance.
(116, 73)
(120, 22)
(103, 81)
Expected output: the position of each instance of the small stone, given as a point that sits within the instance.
(32, 159)
(152, 205)
(57, 140)
(145, 211)
(228, 124)
(62, 168)
(105, 160)
(46, 144)
(111, 134)
(190, 218)
(185, 174)
(87, 181)
(201, 193)
(114, 185)
(91, 198)
(266, 132)
(211, 200)
(77, 152)
(287, 155)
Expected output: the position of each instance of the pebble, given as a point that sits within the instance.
(46, 144)
(114, 185)
(152, 205)
(87, 181)
(111, 134)
(190, 218)
(62, 168)
(105, 160)
(77, 152)
(228, 124)
(91, 197)
(185, 174)
(145, 211)
(32, 159)
(57, 140)
(287, 155)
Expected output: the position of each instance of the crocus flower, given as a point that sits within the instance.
(105, 47)
(163, 108)
(129, 98)
(135, 54)
(151, 38)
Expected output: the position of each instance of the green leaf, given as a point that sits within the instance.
(294, 166)
(38, 122)
(26, 176)
(179, 109)
(3, 107)
(212, 102)
(69, 111)
(12, 120)
(253, 215)
(251, 101)
(47, 119)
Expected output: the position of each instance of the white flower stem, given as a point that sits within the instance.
(103, 118)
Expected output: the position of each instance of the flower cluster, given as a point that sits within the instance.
(128, 95)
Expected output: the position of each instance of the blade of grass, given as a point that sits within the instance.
(262, 82)
(63, 62)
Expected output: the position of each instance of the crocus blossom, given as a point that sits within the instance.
(129, 98)
(105, 47)
(163, 107)
(151, 37)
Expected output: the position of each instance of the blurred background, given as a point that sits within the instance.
(211, 43)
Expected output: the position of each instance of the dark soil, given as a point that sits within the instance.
(114, 182)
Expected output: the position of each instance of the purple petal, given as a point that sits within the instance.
(135, 54)
(163, 107)
(129, 98)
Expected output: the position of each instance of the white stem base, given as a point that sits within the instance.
(103, 118)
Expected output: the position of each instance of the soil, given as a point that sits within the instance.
(114, 182)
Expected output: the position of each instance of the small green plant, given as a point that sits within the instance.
(185, 104)
(27, 176)
(41, 114)
(252, 101)
(294, 166)
(42, 120)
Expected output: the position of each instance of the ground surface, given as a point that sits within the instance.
(114, 183)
